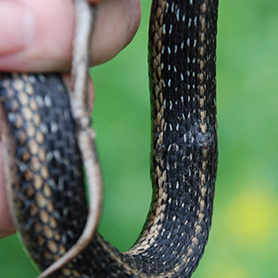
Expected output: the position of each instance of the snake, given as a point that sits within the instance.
(48, 141)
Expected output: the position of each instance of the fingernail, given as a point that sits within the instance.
(16, 27)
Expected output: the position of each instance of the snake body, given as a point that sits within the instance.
(43, 165)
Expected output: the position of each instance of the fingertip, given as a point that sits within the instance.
(134, 19)
(116, 24)
(49, 44)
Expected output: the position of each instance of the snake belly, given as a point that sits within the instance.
(43, 168)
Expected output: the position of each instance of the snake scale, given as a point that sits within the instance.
(43, 161)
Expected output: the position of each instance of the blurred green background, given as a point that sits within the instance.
(244, 237)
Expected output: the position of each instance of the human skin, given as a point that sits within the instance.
(37, 35)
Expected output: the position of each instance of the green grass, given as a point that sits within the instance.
(244, 237)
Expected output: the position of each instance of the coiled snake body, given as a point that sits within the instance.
(43, 164)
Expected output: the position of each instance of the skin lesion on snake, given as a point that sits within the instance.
(197, 139)
(204, 141)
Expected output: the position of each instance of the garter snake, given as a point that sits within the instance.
(47, 137)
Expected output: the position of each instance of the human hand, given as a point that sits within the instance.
(37, 35)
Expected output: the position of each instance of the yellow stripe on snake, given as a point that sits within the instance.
(47, 139)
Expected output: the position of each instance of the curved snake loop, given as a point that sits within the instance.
(47, 136)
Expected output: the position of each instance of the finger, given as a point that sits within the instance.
(6, 224)
(37, 35)
(117, 23)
